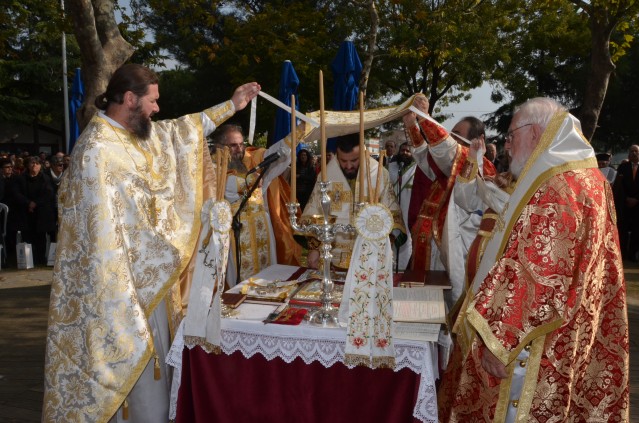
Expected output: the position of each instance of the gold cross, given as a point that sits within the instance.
(340, 196)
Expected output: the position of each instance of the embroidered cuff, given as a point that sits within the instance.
(415, 136)
(469, 170)
(220, 113)
(434, 132)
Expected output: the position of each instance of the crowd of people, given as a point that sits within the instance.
(537, 308)
(626, 189)
(29, 187)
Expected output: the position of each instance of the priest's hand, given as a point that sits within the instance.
(477, 144)
(410, 119)
(421, 103)
(313, 259)
(244, 94)
(492, 364)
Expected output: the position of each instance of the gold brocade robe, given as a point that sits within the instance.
(256, 250)
(129, 222)
(343, 199)
(548, 300)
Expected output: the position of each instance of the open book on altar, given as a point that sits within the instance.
(418, 313)
(421, 305)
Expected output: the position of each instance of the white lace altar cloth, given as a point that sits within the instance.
(312, 343)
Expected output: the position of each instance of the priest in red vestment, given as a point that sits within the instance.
(543, 332)
(439, 158)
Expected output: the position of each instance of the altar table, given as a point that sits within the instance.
(279, 373)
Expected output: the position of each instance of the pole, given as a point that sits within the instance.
(65, 88)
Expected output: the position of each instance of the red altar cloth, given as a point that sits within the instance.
(231, 388)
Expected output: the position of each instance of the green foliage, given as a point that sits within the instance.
(526, 48)
(548, 57)
(617, 123)
(249, 41)
(441, 48)
(31, 61)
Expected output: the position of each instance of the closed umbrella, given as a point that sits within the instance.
(289, 84)
(347, 69)
(77, 97)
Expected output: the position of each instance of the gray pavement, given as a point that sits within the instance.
(24, 302)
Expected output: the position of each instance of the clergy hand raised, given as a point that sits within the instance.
(422, 104)
(244, 94)
(476, 145)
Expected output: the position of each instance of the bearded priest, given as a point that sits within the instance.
(129, 224)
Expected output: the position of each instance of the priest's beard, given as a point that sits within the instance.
(404, 160)
(516, 166)
(524, 152)
(237, 165)
(350, 174)
(140, 124)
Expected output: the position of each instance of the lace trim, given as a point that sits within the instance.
(419, 358)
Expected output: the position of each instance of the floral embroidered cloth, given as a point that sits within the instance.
(367, 303)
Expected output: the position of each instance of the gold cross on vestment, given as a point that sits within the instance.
(340, 196)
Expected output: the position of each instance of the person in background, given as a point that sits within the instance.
(491, 153)
(306, 176)
(7, 178)
(316, 161)
(391, 150)
(603, 161)
(55, 173)
(6, 172)
(18, 166)
(34, 208)
(626, 187)
(401, 173)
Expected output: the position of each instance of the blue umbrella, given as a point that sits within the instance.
(77, 97)
(289, 83)
(347, 69)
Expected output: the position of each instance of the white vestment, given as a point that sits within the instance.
(443, 154)
(403, 191)
(343, 199)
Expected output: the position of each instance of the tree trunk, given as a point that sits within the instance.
(102, 49)
(372, 47)
(601, 67)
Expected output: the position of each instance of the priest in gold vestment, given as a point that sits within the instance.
(265, 213)
(129, 222)
(342, 171)
(543, 332)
